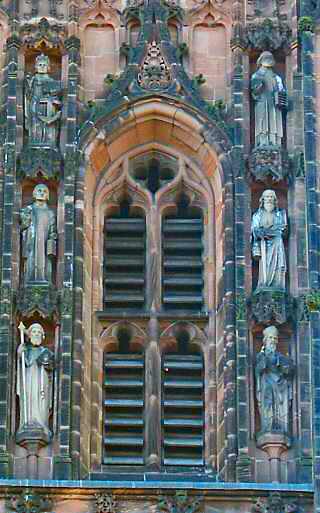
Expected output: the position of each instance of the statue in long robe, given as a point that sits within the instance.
(270, 99)
(34, 383)
(274, 373)
(38, 226)
(269, 227)
(42, 105)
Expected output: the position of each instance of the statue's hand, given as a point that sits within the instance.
(25, 218)
(20, 349)
(260, 233)
(269, 233)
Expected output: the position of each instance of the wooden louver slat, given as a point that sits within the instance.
(183, 410)
(124, 263)
(124, 409)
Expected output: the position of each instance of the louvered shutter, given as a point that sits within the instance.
(182, 279)
(124, 409)
(182, 410)
(124, 263)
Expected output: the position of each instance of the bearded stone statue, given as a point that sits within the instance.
(269, 227)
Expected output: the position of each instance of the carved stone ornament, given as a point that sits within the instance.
(267, 162)
(271, 306)
(41, 299)
(104, 503)
(66, 301)
(179, 503)
(210, 2)
(268, 35)
(29, 501)
(40, 162)
(42, 34)
(154, 73)
(6, 300)
(275, 504)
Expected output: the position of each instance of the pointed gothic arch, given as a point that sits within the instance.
(202, 151)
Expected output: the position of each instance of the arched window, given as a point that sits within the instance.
(155, 243)
(124, 402)
(182, 402)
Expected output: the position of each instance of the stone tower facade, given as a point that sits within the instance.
(159, 256)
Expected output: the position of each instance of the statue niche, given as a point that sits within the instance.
(270, 101)
(34, 385)
(39, 235)
(269, 227)
(42, 105)
(273, 385)
(274, 390)
(270, 302)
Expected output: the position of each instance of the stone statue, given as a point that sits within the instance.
(38, 227)
(42, 105)
(273, 384)
(33, 380)
(269, 227)
(270, 99)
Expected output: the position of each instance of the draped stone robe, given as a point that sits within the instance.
(38, 242)
(274, 390)
(268, 231)
(265, 86)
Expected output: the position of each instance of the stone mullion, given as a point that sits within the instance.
(71, 314)
(7, 334)
(230, 413)
(153, 398)
(313, 240)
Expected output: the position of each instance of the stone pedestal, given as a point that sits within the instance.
(274, 444)
(32, 438)
(269, 163)
(271, 306)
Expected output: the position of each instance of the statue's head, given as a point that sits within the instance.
(42, 63)
(36, 334)
(268, 200)
(266, 59)
(270, 339)
(41, 192)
